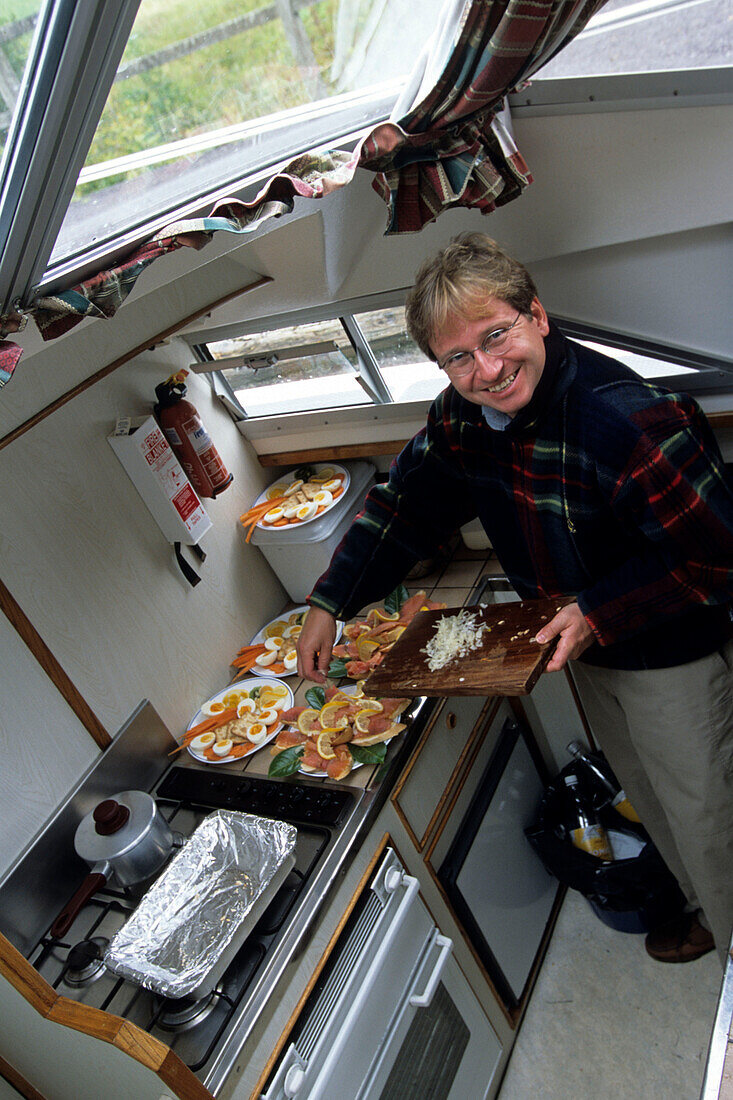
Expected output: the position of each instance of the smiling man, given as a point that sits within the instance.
(590, 483)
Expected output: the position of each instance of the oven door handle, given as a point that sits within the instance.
(422, 1000)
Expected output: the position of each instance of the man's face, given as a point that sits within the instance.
(504, 379)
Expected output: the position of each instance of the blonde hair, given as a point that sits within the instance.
(458, 280)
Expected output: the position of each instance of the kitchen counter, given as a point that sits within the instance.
(138, 758)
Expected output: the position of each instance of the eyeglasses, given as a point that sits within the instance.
(462, 363)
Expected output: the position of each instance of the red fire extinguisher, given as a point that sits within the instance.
(191, 443)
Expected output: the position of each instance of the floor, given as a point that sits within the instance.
(604, 1020)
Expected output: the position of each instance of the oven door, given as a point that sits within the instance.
(393, 1017)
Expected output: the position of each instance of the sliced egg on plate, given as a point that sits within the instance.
(212, 707)
(273, 515)
(305, 511)
(273, 642)
(292, 488)
(257, 733)
(269, 716)
(223, 748)
(289, 510)
(290, 660)
(267, 658)
(323, 498)
(203, 741)
(332, 485)
(246, 706)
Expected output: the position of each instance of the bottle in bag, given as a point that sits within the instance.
(603, 774)
(586, 831)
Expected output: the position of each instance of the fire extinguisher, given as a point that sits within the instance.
(191, 443)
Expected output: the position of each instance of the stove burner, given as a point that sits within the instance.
(184, 1014)
(84, 963)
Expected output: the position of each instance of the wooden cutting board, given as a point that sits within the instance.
(508, 661)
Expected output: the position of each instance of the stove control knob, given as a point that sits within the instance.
(294, 1079)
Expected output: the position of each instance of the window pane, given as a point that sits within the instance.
(17, 21)
(628, 36)
(642, 364)
(409, 375)
(210, 91)
(297, 381)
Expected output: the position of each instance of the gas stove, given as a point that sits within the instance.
(207, 1035)
(74, 966)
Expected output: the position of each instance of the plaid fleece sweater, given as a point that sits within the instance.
(603, 487)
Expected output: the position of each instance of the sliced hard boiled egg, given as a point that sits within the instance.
(305, 511)
(332, 485)
(292, 488)
(290, 660)
(323, 498)
(212, 707)
(257, 733)
(203, 741)
(289, 510)
(267, 658)
(273, 515)
(269, 716)
(223, 748)
(273, 643)
(292, 631)
(247, 706)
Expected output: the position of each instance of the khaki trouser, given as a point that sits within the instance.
(668, 735)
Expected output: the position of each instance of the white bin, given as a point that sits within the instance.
(299, 555)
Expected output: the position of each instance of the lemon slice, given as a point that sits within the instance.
(328, 712)
(277, 691)
(308, 721)
(324, 747)
(372, 705)
(358, 689)
(377, 616)
(365, 647)
(275, 629)
(361, 721)
(232, 699)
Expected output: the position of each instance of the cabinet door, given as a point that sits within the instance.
(419, 796)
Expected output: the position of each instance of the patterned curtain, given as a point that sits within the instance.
(448, 144)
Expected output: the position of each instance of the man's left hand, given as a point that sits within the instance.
(575, 635)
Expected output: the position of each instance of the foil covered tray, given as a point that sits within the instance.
(193, 920)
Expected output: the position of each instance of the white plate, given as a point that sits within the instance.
(247, 685)
(260, 637)
(288, 479)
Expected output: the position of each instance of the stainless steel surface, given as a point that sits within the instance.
(136, 758)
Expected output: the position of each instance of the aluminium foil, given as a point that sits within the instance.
(193, 920)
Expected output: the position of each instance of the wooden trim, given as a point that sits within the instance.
(721, 419)
(19, 1082)
(103, 372)
(332, 454)
(20, 621)
(363, 881)
(127, 1037)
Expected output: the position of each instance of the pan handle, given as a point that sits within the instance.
(88, 888)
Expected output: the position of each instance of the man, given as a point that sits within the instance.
(592, 483)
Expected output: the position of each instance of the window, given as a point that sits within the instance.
(366, 358)
(628, 36)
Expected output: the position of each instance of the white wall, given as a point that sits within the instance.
(86, 562)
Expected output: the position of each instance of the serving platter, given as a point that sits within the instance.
(252, 684)
(278, 489)
(290, 618)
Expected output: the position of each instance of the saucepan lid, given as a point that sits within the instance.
(115, 826)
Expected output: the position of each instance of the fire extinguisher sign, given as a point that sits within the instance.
(159, 478)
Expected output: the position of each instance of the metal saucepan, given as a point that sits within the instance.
(126, 837)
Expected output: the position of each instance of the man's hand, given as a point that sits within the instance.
(315, 644)
(575, 636)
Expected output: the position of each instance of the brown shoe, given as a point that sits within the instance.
(679, 940)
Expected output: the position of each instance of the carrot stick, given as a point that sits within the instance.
(210, 724)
